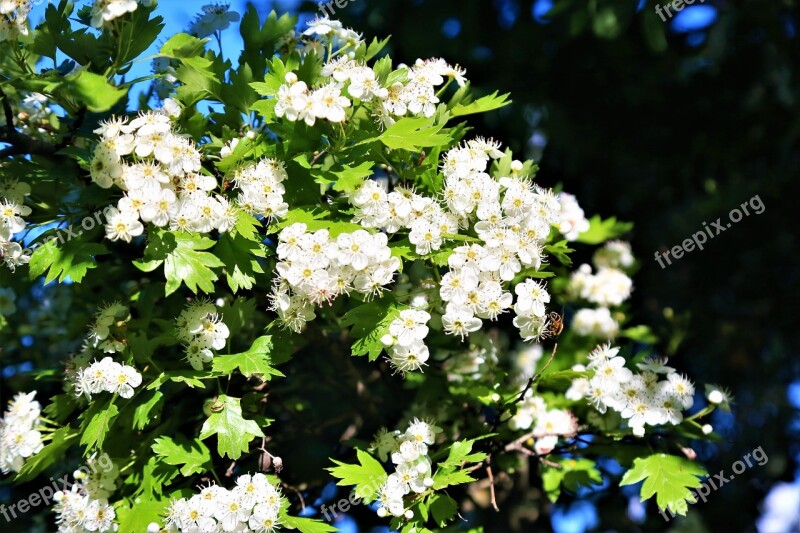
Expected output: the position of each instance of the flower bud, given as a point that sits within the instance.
(290, 78)
(707, 428)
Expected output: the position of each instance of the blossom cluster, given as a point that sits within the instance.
(107, 333)
(201, 329)
(107, 375)
(323, 31)
(14, 18)
(405, 341)
(20, 437)
(548, 425)
(314, 268)
(159, 170)
(571, 221)
(105, 11)
(412, 471)
(346, 79)
(261, 189)
(214, 18)
(252, 505)
(85, 507)
(12, 209)
(609, 287)
(642, 398)
(511, 217)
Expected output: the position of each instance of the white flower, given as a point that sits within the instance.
(122, 225)
(410, 327)
(571, 222)
(459, 320)
(327, 102)
(215, 17)
(104, 11)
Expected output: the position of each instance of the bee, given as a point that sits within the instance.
(554, 327)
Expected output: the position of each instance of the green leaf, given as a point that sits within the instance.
(98, 420)
(51, 454)
(461, 452)
(305, 525)
(148, 410)
(443, 508)
(239, 254)
(184, 259)
(183, 45)
(95, 91)
(573, 474)
(639, 333)
(233, 432)
(136, 518)
(255, 361)
(351, 178)
(412, 133)
(370, 321)
(669, 477)
(442, 480)
(73, 260)
(603, 230)
(368, 475)
(60, 407)
(560, 251)
(192, 455)
(481, 105)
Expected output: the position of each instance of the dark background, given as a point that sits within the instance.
(668, 125)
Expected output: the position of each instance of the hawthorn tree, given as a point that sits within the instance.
(298, 268)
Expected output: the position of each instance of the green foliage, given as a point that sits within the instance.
(668, 477)
(233, 431)
(367, 476)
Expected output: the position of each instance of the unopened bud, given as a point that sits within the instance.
(409, 514)
(428, 482)
(290, 78)
(277, 462)
(152, 527)
(516, 166)
(716, 397)
(382, 512)
(707, 428)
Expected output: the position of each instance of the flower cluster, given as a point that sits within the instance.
(166, 73)
(20, 437)
(548, 424)
(253, 505)
(107, 375)
(12, 209)
(160, 178)
(571, 221)
(599, 323)
(326, 31)
(405, 340)
(214, 18)
(105, 11)
(642, 398)
(609, 287)
(14, 18)
(201, 329)
(85, 506)
(476, 361)
(412, 472)
(614, 254)
(512, 219)
(107, 332)
(414, 93)
(261, 188)
(314, 268)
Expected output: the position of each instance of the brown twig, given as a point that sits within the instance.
(491, 488)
